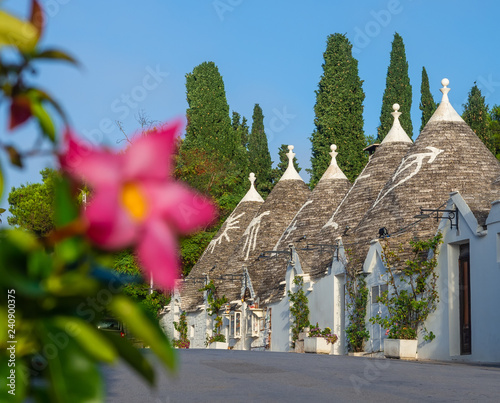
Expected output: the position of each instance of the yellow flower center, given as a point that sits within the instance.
(134, 201)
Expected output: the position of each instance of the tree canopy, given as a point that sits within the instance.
(427, 104)
(476, 116)
(338, 112)
(259, 157)
(397, 90)
(31, 205)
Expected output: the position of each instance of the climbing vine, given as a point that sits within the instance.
(182, 328)
(214, 306)
(299, 309)
(356, 303)
(412, 288)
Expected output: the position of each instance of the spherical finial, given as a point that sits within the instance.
(445, 82)
(395, 107)
(291, 148)
(333, 147)
(252, 177)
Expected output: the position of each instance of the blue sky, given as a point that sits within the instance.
(135, 56)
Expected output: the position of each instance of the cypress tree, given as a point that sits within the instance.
(338, 112)
(283, 164)
(397, 90)
(258, 153)
(209, 124)
(476, 116)
(240, 128)
(427, 104)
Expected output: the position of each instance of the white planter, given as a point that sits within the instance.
(318, 345)
(219, 345)
(397, 348)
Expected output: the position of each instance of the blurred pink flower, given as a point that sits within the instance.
(135, 201)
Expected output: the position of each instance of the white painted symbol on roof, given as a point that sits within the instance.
(251, 233)
(414, 161)
(230, 224)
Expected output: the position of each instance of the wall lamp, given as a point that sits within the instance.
(452, 215)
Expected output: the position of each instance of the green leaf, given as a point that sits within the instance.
(65, 210)
(18, 33)
(56, 54)
(1, 185)
(15, 157)
(132, 356)
(89, 337)
(44, 119)
(74, 376)
(145, 328)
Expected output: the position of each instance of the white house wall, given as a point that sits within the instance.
(484, 280)
(280, 336)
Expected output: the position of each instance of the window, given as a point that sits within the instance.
(377, 292)
(237, 325)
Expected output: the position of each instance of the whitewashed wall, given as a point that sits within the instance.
(485, 299)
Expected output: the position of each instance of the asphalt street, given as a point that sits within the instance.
(245, 376)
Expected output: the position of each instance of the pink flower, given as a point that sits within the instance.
(135, 202)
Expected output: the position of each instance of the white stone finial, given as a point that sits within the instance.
(290, 172)
(445, 111)
(252, 194)
(333, 171)
(251, 178)
(445, 82)
(333, 154)
(396, 114)
(397, 133)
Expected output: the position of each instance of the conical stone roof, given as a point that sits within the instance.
(221, 246)
(324, 199)
(362, 194)
(262, 234)
(446, 157)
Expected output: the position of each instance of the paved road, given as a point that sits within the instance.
(243, 376)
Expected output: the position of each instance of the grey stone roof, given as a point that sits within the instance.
(357, 201)
(308, 221)
(446, 157)
(262, 234)
(220, 249)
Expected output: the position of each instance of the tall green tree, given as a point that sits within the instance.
(283, 164)
(494, 129)
(32, 205)
(259, 157)
(240, 128)
(338, 112)
(209, 124)
(427, 104)
(397, 90)
(476, 116)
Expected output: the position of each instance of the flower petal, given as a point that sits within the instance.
(82, 161)
(150, 156)
(184, 209)
(158, 255)
(110, 227)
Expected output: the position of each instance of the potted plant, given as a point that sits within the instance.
(410, 297)
(319, 341)
(182, 328)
